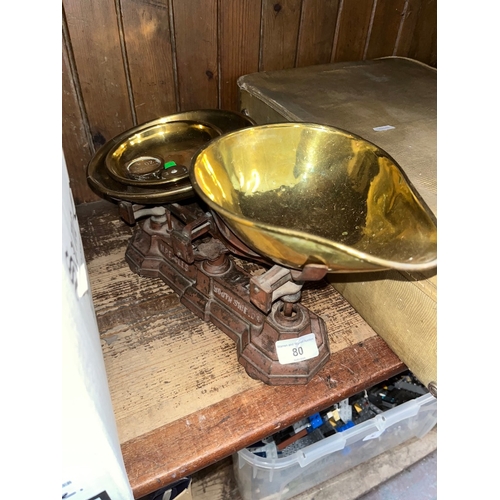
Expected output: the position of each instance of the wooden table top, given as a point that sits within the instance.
(181, 399)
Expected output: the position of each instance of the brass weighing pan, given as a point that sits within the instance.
(105, 185)
(303, 193)
(158, 154)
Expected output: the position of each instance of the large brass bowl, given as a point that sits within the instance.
(303, 193)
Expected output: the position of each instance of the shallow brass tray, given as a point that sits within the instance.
(104, 185)
(303, 193)
(143, 158)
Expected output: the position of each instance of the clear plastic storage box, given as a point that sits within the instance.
(281, 478)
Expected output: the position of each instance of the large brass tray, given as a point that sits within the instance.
(105, 185)
(303, 193)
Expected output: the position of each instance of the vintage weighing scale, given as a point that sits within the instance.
(301, 199)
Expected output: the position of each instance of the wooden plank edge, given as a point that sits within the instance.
(198, 440)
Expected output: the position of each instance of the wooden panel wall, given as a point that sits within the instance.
(125, 62)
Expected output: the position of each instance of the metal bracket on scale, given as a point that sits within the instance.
(278, 340)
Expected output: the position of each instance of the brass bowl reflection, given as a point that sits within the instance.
(107, 187)
(159, 154)
(303, 193)
(224, 119)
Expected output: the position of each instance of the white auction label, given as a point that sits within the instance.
(295, 350)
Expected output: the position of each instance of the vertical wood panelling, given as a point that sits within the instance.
(352, 30)
(423, 45)
(75, 136)
(129, 61)
(196, 47)
(385, 28)
(317, 29)
(280, 30)
(239, 33)
(93, 30)
(410, 17)
(146, 25)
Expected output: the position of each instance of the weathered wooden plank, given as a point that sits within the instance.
(385, 29)
(101, 229)
(75, 135)
(352, 30)
(139, 318)
(174, 379)
(95, 41)
(316, 33)
(215, 432)
(239, 34)
(148, 39)
(196, 49)
(216, 482)
(280, 31)
(423, 45)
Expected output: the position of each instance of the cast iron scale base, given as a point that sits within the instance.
(278, 340)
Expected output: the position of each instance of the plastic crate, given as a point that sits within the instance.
(281, 478)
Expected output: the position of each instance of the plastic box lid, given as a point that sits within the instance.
(281, 478)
